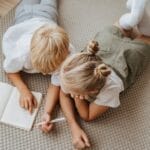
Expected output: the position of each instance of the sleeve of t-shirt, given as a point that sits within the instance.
(108, 97)
(13, 65)
(55, 79)
(13, 61)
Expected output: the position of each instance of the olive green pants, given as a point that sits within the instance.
(126, 56)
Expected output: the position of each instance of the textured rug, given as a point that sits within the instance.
(124, 128)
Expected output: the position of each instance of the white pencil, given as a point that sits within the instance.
(52, 121)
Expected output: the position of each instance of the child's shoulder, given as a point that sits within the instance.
(113, 82)
(109, 94)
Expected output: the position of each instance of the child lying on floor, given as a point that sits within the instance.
(36, 44)
(95, 77)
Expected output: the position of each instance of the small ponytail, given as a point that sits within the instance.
(93, 47)
(102, 70)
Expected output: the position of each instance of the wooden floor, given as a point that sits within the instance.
(6, 6)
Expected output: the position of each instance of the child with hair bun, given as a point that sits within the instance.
(95, 77)
(36, 44)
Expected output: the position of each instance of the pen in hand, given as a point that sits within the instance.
(52, 121)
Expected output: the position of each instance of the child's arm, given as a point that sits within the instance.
(88, 111)
(27, 100)
(51, 101)
(51, 98)
(80, 139)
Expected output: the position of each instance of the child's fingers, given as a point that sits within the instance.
(46, 128)
(42, 128)
(21, 103)
(81, 97)
(26, 105)
(80, 144)
(86, 140)
(49, 127)
(30, 106)
(34, 102)
(31, 110)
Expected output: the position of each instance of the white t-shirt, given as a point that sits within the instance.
(109, 94)
(16, 47)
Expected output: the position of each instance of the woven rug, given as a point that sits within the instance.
(124, 128)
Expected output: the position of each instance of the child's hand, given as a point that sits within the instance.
(80, 139)
(27, 100)
(81, 97)
(47, 126)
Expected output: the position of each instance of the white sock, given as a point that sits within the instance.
(129, 20)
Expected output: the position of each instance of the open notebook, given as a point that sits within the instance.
(10, 111)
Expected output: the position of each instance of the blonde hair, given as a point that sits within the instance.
(84, 71)
(49, 48)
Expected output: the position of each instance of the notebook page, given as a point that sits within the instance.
(5, 92)
(16, 116)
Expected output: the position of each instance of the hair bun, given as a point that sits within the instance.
(102, 70)
(93, 47)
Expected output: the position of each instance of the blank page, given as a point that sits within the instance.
(17, 116)
(5, 91)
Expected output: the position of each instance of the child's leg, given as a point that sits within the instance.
(29, 2)
(137, 57)
(46, 9)
(49, 2)
(24, 10)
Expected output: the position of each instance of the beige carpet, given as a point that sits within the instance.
(124, 128)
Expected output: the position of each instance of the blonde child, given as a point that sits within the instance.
(95, 77)
(36, 44)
